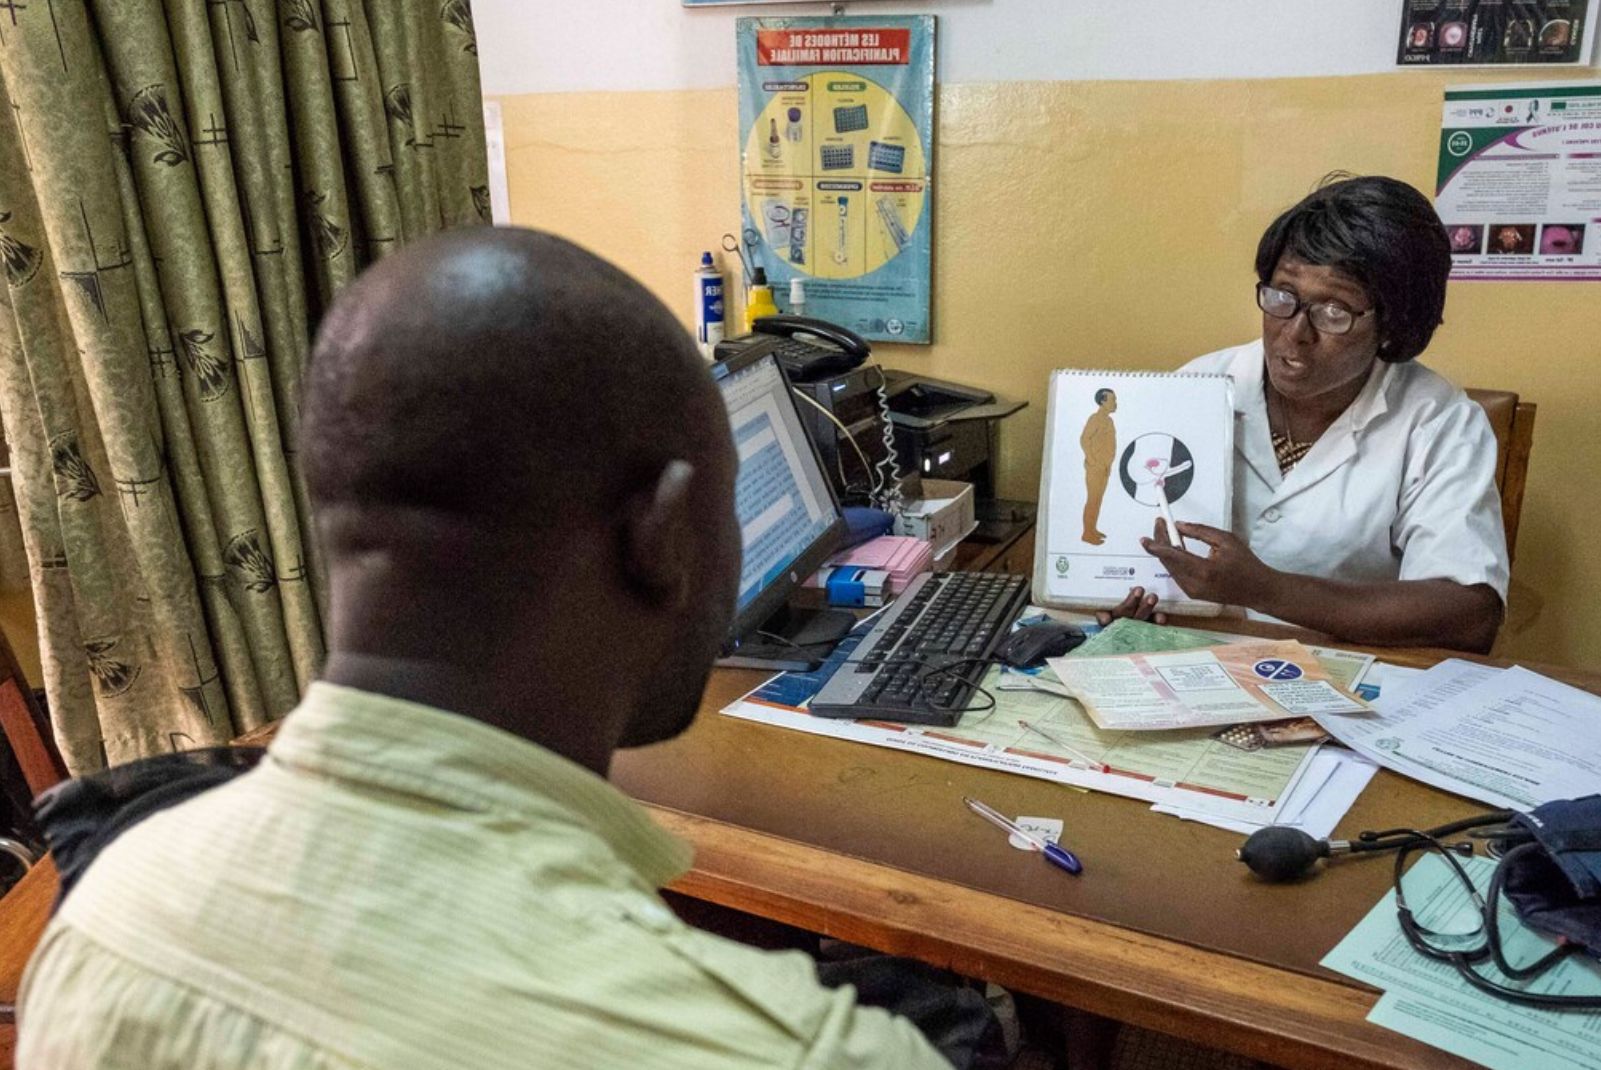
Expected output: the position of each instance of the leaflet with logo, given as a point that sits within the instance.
(1222, 685)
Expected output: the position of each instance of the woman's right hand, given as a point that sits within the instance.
(1138, 606)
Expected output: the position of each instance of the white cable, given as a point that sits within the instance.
(890, 480)
(867, 468)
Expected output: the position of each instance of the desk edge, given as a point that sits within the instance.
(1226, 1002)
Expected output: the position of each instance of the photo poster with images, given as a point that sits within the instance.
(1496, 33)
(1519, 185)
(1115, 443)
(836, 127)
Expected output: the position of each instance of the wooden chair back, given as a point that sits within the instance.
(26, 729)
(24, 910)
(1512, 420)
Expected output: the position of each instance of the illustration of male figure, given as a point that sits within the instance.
(1099, 442)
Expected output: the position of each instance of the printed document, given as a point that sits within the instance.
(1429, 1001)
(1510, 738)
(1224, 685)
(1044, 735)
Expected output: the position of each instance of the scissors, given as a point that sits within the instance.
(747, 252)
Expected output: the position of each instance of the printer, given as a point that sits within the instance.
(946, 430)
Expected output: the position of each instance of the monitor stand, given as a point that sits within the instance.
(805, 638)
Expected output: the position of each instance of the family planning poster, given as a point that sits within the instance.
(836, 135)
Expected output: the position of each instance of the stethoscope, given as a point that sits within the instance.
(1280, 853)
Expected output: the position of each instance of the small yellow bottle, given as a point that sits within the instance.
(759, 301)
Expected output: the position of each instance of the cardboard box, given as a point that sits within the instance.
(944, 515)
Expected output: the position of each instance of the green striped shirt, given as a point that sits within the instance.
(397, 886)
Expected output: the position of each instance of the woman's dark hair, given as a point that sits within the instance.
(1386, 236)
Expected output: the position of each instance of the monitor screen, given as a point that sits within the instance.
(789, 518)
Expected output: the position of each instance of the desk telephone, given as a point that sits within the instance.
(808, 349)
(843, 403)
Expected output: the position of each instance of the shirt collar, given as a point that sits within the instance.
(1252, 438)
(367, 738)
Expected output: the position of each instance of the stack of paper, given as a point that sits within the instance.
(1042, 735)
(1508, 737)
(903, 557)
(1319, 797)
(1328, 788)
(1234, 683)
(1038, 729)
(1429, 1001)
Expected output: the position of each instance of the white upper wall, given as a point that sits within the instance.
(553, 46)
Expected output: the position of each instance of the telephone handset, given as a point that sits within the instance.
(807, 348)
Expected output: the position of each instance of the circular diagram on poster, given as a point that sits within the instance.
(1155, 458)
(835, 175)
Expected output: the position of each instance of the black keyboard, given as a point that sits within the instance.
(943, 620)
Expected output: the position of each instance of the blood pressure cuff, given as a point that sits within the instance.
(81, 817)
(1554, 881)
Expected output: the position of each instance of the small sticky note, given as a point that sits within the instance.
(1048, 829)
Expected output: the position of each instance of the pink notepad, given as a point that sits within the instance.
(901, 556)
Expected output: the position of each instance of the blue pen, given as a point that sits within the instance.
(1056, 856)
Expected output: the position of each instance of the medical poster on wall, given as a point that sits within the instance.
(1519, 185)
(836, 124)
(1495, 33)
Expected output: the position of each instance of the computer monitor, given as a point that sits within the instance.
(789, 519)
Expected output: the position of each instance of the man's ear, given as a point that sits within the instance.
(659, 540)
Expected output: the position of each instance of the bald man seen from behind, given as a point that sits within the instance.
(513, 452)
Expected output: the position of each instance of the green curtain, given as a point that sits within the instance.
(183, 187)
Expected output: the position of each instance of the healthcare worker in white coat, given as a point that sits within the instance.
(1365, 503)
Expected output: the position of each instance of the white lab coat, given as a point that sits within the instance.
(1401, 485)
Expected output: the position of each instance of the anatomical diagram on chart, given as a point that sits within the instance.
(1127, 449)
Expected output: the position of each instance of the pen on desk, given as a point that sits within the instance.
(1099, 767)
(1055, 854)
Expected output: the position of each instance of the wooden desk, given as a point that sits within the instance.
(1165, 929)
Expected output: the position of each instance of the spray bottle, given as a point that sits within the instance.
(708, 305)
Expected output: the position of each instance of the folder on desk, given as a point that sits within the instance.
(901, 556)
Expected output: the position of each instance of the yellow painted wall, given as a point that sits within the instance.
(1113, 224)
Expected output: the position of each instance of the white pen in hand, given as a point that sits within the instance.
(1173, 535)
(1159, 473)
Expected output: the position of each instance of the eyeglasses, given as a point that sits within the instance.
(1326, 317)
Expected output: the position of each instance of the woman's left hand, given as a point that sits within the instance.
(1229, 573)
